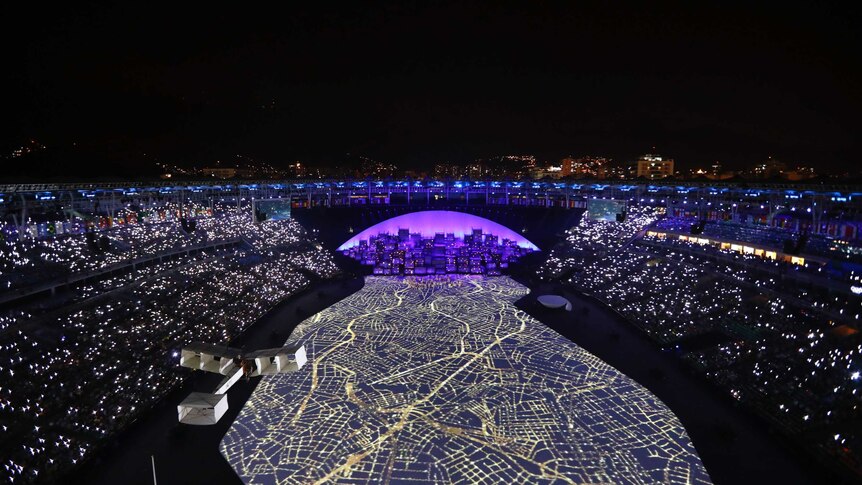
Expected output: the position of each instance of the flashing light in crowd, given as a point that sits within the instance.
(784, 338)
(210, 294)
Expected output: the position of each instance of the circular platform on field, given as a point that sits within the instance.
(555, 301)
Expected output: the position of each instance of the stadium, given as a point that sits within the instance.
(711, 332)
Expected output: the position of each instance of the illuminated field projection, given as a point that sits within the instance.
(429, 223)
(443, 380)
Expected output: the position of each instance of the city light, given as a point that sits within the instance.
(110, 359)
(430, 370)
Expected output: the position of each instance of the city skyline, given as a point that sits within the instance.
(498, 167)
(121, 89)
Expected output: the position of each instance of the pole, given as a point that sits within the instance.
(153, 459)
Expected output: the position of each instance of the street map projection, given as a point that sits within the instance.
(441, 379)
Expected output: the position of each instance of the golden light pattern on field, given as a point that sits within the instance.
(442, 380)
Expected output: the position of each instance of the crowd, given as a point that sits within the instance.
(785, 346)
(824, 286)
(29, 258)
(768, 236)
(595, 238)
(81, 365)
(79, 368)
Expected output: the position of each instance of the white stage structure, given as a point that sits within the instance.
(278, 361)
(201, 408)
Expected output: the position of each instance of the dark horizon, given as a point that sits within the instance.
(413, 85)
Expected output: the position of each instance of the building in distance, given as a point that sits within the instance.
(654, 167)
(584, 167)
(715, 172)
(770, 168)
(241, 166)
(504, 166)
(800, 173)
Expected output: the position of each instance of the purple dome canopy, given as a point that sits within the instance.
(428, 223)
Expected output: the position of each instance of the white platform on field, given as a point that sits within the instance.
(204, 408)
(555, 301)
(201, 408)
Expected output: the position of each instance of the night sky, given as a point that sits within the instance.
(414, 84)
